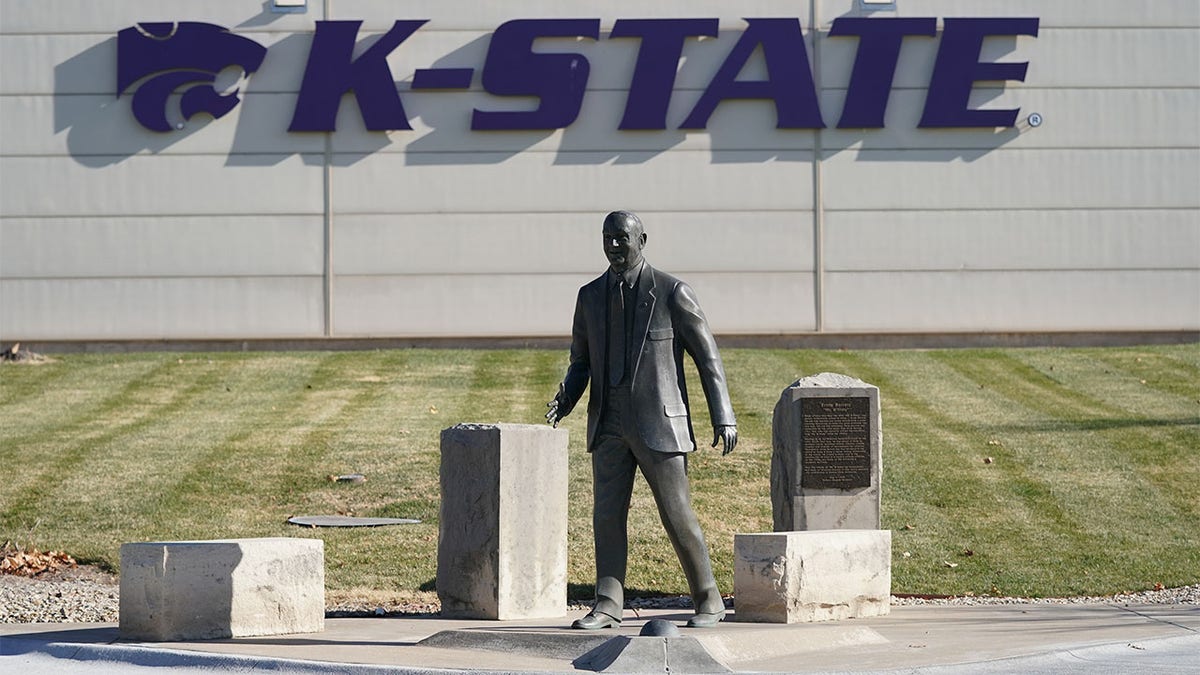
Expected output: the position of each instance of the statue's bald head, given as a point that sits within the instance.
(624, 238)
(627, 219)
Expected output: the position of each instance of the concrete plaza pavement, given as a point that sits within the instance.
(1050, 638)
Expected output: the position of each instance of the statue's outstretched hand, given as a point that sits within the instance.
(726, 434)
(552, 416)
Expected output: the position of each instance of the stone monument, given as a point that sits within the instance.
(502, 535)
(827, 558)
(826, 465)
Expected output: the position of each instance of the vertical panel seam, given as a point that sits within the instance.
(818, 206)
(327, 198)
(327, 170)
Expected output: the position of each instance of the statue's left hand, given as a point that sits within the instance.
(727, 435)
(555, 414)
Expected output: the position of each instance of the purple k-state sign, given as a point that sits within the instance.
(155, 60)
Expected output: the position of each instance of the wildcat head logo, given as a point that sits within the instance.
(186, 56)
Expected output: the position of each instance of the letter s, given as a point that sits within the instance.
(512, 68)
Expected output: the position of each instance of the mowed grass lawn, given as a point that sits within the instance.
(1093, 485)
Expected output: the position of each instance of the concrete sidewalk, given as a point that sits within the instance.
(928, 639)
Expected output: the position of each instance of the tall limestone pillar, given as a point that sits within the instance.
(502, 536)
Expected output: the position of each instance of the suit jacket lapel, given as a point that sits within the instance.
(646, 297)
(597, 308)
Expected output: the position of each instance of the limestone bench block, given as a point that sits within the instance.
(200, 590)
(814, 575)
(502, 537)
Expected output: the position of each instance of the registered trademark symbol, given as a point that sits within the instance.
(1035, 120)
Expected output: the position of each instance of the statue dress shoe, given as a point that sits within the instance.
(705, 620)
(594, 620)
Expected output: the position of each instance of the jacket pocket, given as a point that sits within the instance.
(661, 334)
(676, 410)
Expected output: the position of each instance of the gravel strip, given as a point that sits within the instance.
(64, 601)
(95, 599)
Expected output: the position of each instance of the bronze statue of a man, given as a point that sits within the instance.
(632, 326)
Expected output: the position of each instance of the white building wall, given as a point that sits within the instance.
(235, 228)
(1088, 222)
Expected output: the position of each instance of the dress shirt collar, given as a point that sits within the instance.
(631, 275)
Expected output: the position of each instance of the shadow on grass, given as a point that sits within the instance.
(1097, 424)
(101, 564)
(581, 593)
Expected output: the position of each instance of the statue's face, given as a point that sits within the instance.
(624, 240)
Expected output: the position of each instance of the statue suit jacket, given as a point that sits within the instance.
(667, 321)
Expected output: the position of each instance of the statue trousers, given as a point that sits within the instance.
(615, 460)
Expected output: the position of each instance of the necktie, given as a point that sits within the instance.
(616, 333)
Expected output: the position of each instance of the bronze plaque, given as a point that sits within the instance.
(835, 442)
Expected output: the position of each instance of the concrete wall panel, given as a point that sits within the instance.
(160, 308)
(455, 305)
(543, 304)
(168, 185)
(967, 301)
(586, 182)
(756, 302)
(147, 247)
(564, 243)
(865, 241)
(1004, 179)
(1071, 118)
(91, 127)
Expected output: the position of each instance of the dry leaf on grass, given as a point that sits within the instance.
(32, 562)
